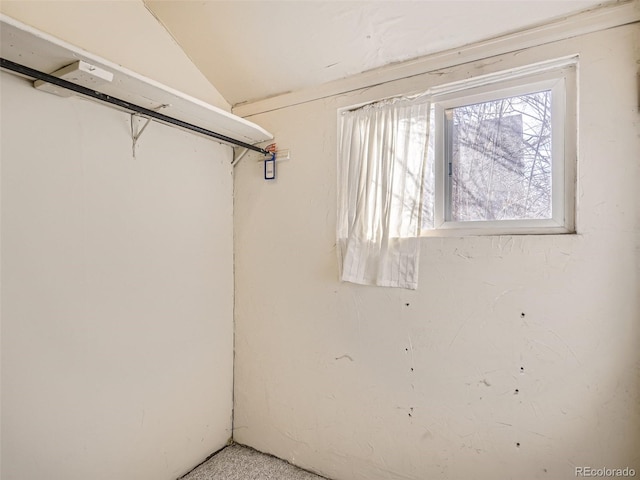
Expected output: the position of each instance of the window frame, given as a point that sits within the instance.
(561, 80)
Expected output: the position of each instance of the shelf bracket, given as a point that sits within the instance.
(136, 134)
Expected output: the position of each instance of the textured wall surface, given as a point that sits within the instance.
(517, 357)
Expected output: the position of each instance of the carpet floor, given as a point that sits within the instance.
(242, 463)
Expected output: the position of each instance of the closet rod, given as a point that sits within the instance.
(30, 72)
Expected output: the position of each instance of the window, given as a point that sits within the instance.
(491, 155)
(503, 154)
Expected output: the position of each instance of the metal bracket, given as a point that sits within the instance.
(237, 158)
(268, 150)
(135, 135)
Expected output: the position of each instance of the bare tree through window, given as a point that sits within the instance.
(500, 159)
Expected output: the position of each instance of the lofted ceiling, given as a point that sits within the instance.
(251, 50)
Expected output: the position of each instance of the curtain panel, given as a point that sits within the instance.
(382, 153)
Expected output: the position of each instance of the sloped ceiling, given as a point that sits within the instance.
(252, 50)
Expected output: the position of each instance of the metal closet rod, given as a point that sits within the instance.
(30, 72)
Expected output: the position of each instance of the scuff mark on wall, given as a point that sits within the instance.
(348, 357)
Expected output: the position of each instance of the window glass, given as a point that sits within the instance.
(499, 159)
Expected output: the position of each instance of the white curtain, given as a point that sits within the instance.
(381, 167)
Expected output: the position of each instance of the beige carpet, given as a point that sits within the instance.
(242, 463)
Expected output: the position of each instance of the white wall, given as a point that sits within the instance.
(122, 31)
(374, 383)
(117, 293)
